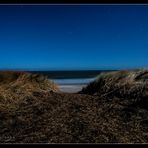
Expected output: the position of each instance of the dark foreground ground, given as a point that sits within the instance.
(33, 110)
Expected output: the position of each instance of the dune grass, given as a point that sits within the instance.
(112, 109)
(122, 84)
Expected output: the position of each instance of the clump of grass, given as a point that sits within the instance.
(104, 80)
(123, 84)
(16, 85)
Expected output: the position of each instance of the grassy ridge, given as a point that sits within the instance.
(16, 85)
(122, 84)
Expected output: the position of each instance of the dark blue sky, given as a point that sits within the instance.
(73, 36)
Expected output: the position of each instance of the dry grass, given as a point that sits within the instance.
(14, 86)
(31, 113)
(123, 84)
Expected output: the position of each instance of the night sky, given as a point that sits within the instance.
(68, 37)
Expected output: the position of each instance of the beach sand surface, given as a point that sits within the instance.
(71, 88)
(72, 85)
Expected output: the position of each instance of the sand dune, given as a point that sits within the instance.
(33, 110)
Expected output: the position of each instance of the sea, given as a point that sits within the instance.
(72, 81)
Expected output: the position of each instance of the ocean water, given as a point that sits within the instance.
(80, 81)
(71, 81)
(72, 85)
(76, 74)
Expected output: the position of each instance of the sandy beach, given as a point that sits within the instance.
(71, 88)
(72, 85)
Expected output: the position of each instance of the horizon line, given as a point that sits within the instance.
(68, 69)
